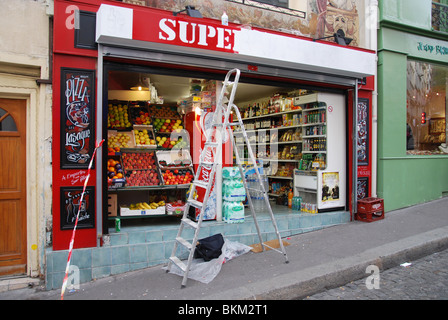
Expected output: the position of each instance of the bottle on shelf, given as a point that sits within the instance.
(290, 196)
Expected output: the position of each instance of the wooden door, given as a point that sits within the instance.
(12, 186)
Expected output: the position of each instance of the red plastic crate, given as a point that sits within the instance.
(370, 209)
(369, 217)
(368, 205)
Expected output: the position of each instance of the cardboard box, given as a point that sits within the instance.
(112, 205)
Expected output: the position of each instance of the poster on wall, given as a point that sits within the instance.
(71, 204)
(77, 117)
(363, 132)
(330, 186)
(363, 188)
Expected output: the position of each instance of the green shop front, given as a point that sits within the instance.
(412, 103)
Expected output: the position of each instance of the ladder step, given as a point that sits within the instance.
(190, 223)
(178, 263)
(254, 189)
(207, 164)
(211, 144)
(201, 184)
(195, 203)
(184, 242)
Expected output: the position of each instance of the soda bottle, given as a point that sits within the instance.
(290, 196)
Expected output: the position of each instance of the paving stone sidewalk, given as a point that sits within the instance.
(424, 279)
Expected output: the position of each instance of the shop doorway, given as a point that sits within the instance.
(284, 130)
(12, 187)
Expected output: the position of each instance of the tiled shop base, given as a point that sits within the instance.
(143, 246)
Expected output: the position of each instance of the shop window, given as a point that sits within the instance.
(272, 5)
(426, 125)
(85, 32)
(7, 123)
(277, 3)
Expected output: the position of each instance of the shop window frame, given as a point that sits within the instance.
(273, 5)
(85, 29)
(417, 151)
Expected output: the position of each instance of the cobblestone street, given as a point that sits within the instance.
(424, 279)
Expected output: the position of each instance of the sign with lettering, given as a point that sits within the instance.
(438, 50)
(145, 28)
(178, 31)
(77, 117)
(71, 204)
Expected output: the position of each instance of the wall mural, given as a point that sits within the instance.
(323, 17)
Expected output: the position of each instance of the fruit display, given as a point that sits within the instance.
(117, 116)
(139, 115)
(115, 173)
(177, 176)
(167, 125)
(144, 137)
(114, 169)
(143, 208)
(163, 112)
(181, 143)
(140, 178)
(146, 206)
(117, 140)
(170, 142)
(139, 160)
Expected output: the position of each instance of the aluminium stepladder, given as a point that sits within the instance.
(213, 144)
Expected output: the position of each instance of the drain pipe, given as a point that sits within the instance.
(99, 137)
(354, 151)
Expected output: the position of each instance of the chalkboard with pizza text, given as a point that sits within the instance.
(77, 117)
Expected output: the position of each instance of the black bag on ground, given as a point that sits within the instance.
(209, 248)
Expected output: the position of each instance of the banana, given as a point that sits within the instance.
(146, 206)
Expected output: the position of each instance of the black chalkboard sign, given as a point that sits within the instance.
(77, 117)
(70, 205)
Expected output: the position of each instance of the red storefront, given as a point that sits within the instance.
(135, 39)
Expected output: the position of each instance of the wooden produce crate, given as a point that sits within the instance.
(148, 132)
(141, 168)
(118, 140)
(139, 115)
(182, 176)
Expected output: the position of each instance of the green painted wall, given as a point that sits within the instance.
(404, 180)
(416, 13)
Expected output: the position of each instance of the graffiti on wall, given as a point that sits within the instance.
(323, 17)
